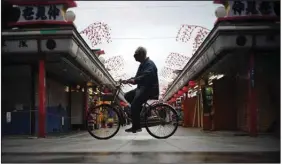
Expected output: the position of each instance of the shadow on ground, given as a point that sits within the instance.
(141, 157)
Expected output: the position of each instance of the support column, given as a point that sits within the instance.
(252, 108)
(32, 100)
(207, 108)
(69, 108)
(86, 98)
(41, 98)
(185, 111)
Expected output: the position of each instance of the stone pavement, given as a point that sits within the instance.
(126, 147)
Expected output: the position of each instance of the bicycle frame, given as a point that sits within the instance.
(123, 114)
(149, 118)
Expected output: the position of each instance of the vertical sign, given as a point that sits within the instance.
(8, 117)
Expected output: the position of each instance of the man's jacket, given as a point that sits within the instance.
(147, 76)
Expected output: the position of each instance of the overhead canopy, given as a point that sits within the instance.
(69, 58)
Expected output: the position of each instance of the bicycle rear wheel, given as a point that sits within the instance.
(103, 122)
(163, 118)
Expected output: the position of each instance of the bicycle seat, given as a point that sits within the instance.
(152, 99)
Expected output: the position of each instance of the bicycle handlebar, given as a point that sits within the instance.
(121, 82)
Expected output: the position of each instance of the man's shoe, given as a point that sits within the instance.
(133, 130)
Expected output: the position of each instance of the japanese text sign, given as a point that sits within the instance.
(249, 8)
(52, 12)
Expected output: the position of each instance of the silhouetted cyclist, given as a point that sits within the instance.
(147, 87)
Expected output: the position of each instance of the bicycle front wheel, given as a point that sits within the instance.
(161, 121)
(103, 122)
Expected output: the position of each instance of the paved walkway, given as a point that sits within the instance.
(185, 141)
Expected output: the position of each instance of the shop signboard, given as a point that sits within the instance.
(38, 13)
(19, 46)
(252, 8)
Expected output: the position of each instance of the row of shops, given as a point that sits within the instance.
(232, 82)
(49, 73)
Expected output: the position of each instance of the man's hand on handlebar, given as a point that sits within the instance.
(129, 81)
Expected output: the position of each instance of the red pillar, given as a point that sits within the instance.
(252, 108)
(41, 96)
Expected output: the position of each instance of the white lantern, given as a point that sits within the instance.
(70, 16)
(220, 12)
(102, 59)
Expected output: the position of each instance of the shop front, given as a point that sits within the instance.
(235, 77)
(46, 71)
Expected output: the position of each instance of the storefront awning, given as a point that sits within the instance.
(64, 50)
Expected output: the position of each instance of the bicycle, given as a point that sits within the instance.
(152, 115)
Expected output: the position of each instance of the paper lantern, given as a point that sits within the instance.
(192, 83)
(180, 93)
(70, 16)
(176, 96)
(106, 90)
(220, 12)
(185, 89)
(102, 59)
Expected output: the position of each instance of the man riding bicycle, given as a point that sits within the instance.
(147, 87)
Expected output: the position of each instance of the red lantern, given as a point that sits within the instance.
(192, 83)
(180, 93)
(175, 95)
(185, 89)
(106, 90)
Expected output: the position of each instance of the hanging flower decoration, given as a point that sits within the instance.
(97, 32)
(186, 32)
(166, 73)
(115, 64)
(176, 61)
